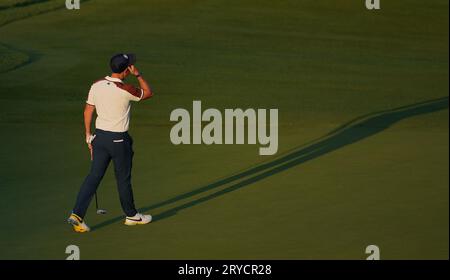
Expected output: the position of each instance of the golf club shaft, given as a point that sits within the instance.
(96, 201)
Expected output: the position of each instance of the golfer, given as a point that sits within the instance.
(110, 97)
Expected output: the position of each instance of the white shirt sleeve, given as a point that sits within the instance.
(136, 98)
(132, 93)
(90, 99)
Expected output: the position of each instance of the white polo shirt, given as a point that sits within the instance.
(111, 98)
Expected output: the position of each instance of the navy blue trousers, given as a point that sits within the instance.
(107, 146)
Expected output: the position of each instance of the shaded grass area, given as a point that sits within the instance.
(11, 59)
(11, 10)
(9, 4)
(14, 10)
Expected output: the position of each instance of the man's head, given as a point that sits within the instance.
(119, 64)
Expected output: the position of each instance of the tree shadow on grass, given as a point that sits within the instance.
(349, 133)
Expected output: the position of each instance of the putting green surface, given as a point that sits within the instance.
(363, 129)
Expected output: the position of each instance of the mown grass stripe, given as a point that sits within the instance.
(19, 4)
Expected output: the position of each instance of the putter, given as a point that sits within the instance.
(99, 211)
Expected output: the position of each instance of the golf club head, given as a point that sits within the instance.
(101, 211)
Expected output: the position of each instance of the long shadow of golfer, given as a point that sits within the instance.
(349, 133)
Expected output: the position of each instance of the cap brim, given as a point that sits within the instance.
(131, 58)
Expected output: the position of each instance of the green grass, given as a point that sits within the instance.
(18, 3)
(10, 59)
(11, 11)
(382, 179)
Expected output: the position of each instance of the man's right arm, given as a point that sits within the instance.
(145, 87)
(147, 91)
